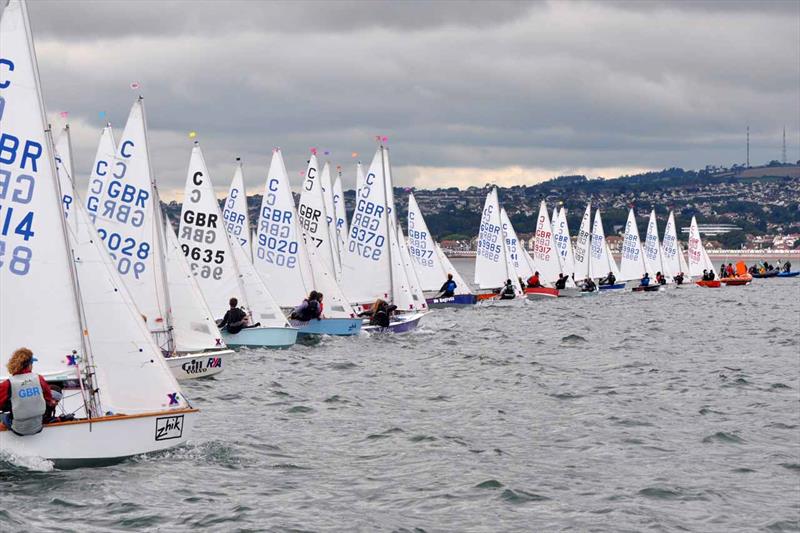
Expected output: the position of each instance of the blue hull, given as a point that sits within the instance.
(261, 338)
(614, 287)
(329, 326)
(788, 274)
(458, 299)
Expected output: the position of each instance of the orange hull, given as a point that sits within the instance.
(736, 281)
(714, 284)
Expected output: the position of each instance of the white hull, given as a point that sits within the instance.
(197, 365)
(103, 440)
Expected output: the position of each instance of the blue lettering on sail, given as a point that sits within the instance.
(273, 242)
(9, 65)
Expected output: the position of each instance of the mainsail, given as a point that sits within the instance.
(545, 254)
(235, 214)
(632, 265)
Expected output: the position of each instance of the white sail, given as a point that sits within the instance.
(205, 242)
(340, 215)
(193, 325)
(682, 260)
(131, 374)
(599, 257)
(707, 264)
(330, 218)
(314, 218)
(366, 268)
(263, 306)
(126, 221)
(632, 264)
(545, 254)
(427, 263)
(66, 173)
(461, 284)
(63, 147)
(652, 248)
(491, 270)
(36, 280)
(564, 244)
(104, 165)
(516, 251)
(582, 252)
(670, 249)
(280, 253)
(414, 285)
(235, 214)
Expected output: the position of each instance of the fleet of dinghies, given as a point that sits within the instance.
(139, 303)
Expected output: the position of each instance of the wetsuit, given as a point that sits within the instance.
(234, 320)
(561, 283)
(448, 288)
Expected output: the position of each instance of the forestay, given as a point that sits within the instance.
(235, 213)
(632, 263)
(545, 254)
(582, 246)
(126, 221)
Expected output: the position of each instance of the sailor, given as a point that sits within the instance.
(562, 282)
(705, 275)
(309, 309)
(723, 271)
(380, 314)
(508, 292)
(645, 281)
(711, 275)
(678, 279)
(660, 278)
(589, 285)
(25, 396)
(448, 288)
(609, 280)
(533, 281)
(235, 319)
(787, 266)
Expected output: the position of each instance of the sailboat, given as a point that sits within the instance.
(699, 262)
(633, 265)
(671, 255)
(124, 398)
(546, 260)
(129, 220)
(652, 249)
(520, 258)
(563, 242)
(235, 215)
(493, 262)
(601, 262)
(222, 269)
(430, 263)
(372, 266)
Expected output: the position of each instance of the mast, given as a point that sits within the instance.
(159, 239)
(388, 220)
(92, 400)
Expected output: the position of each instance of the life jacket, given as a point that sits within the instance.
(450, 287)
(380, 318)
(27, 404)
(308, 310)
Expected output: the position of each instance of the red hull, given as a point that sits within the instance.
(744, 280)
(542, 291)
(714, 284)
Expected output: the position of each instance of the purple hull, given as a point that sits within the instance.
(458, 299)
(398, 325)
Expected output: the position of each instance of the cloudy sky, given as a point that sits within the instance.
(466, 92)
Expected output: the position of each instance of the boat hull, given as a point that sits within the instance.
(452, 301)
(713, 284)
(541, 292)
(735, 282)
(483, 296)
(647, 288)
(197, 365)
(768, 274)
(261, 338)
(614, 287)
(400, 324)
(328, 326)
(788, 274)
(104, 440)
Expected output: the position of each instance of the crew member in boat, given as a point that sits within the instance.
(645, 281)
(25, 398)
(787, 266)
(508, 292)
(448, 288)
(730, 271)
(678, 278)
(609, 280)
(521, 282)
(723, 271)
(561, 283)
(380, 314)
(533, 281)
(235, 319)
(309, 309)
(660, 279)
(588, 285)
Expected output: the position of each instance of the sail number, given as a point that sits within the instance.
(487, 239)
(132, 253)
(204, 254)
(364, 238)
(15, 220)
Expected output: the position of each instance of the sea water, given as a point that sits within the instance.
(664, 411)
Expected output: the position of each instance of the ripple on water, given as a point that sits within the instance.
(724, 438)
(573, 339)
(489, 484)
(518, 497)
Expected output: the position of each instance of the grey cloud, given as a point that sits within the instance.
(560, 85)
